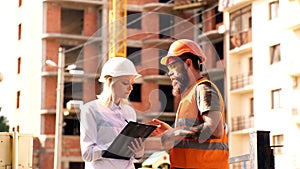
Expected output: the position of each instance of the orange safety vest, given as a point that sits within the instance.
(211, 154)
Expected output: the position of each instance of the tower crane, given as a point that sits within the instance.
(117, 28)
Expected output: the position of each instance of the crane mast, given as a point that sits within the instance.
(117, 28)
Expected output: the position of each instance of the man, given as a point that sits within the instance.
(198, 139)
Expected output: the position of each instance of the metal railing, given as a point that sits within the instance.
(242, 122)
(240, 81)
(241, 38)
(240, 162)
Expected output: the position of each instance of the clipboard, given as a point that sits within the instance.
(119, 148)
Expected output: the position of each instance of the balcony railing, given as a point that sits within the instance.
(240, 81)
(241, 38)
(242, 122)
(243, 165)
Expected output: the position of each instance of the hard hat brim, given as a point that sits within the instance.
(163, 60)
(102, 79)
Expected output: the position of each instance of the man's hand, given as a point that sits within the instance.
(161, 127)
(170, 136)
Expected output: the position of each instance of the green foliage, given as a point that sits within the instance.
(4, 127)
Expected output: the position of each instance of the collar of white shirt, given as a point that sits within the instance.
(115, 107)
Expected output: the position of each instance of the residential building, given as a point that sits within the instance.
(262, 73)
(81, 29)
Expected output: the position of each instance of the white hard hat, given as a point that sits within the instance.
(118, 66)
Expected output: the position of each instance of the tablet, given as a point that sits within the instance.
(119, 148)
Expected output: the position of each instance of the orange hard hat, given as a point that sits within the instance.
(182, 46)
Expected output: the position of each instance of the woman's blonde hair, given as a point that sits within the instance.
(106, 96)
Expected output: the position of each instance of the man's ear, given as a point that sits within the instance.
(188, 62)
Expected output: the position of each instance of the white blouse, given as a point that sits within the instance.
(99, 126)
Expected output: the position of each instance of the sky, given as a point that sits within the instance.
(8, 33)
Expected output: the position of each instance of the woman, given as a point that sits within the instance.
(104, 118)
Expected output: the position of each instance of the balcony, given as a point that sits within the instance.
(239, 39)
(158, 7)
(241, 81)
(242, 122)
(70, 77)
(212, 34)
(161, 43)
(68, 39)
(192, 4)
(78, 3)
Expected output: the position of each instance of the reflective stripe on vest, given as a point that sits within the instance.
(213, 153)
(202, 146)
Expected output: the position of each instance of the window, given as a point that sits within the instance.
(166, 23)
(219, 15)
(278, 144)
(134, 20)
(19, 31)
(296, 82)
(163, 70)
(74, 55)
(100, 16)
(164, 1)
(273, 9)
(76, 165)
(135, 95)
(18, 99)
(250, 66)
(200, 20)
(19, 65)
(71, 21)
(219, 50)
(251, 107)
(72, 91)
(275, 54)
(276, 98)
(240, 27)
(240, 20)
(71, 125)
(134, 54)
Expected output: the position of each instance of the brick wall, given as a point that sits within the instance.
(53, 18)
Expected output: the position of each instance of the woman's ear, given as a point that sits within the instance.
(108, 79)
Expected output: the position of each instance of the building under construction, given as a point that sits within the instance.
(90, 32)
(257, 41)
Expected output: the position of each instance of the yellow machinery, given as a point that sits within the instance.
(16, 150)
(157, 160)
(117, 28)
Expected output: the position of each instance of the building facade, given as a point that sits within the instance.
(262, 74)
(81, 28)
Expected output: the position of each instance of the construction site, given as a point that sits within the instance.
(62, 44)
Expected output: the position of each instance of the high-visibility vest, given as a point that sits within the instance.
(187, 153)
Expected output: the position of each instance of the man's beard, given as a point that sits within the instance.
(180, 84)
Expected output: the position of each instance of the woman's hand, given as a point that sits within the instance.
(137, 147)
(162, 127)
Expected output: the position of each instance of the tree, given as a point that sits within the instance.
(4, 127)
